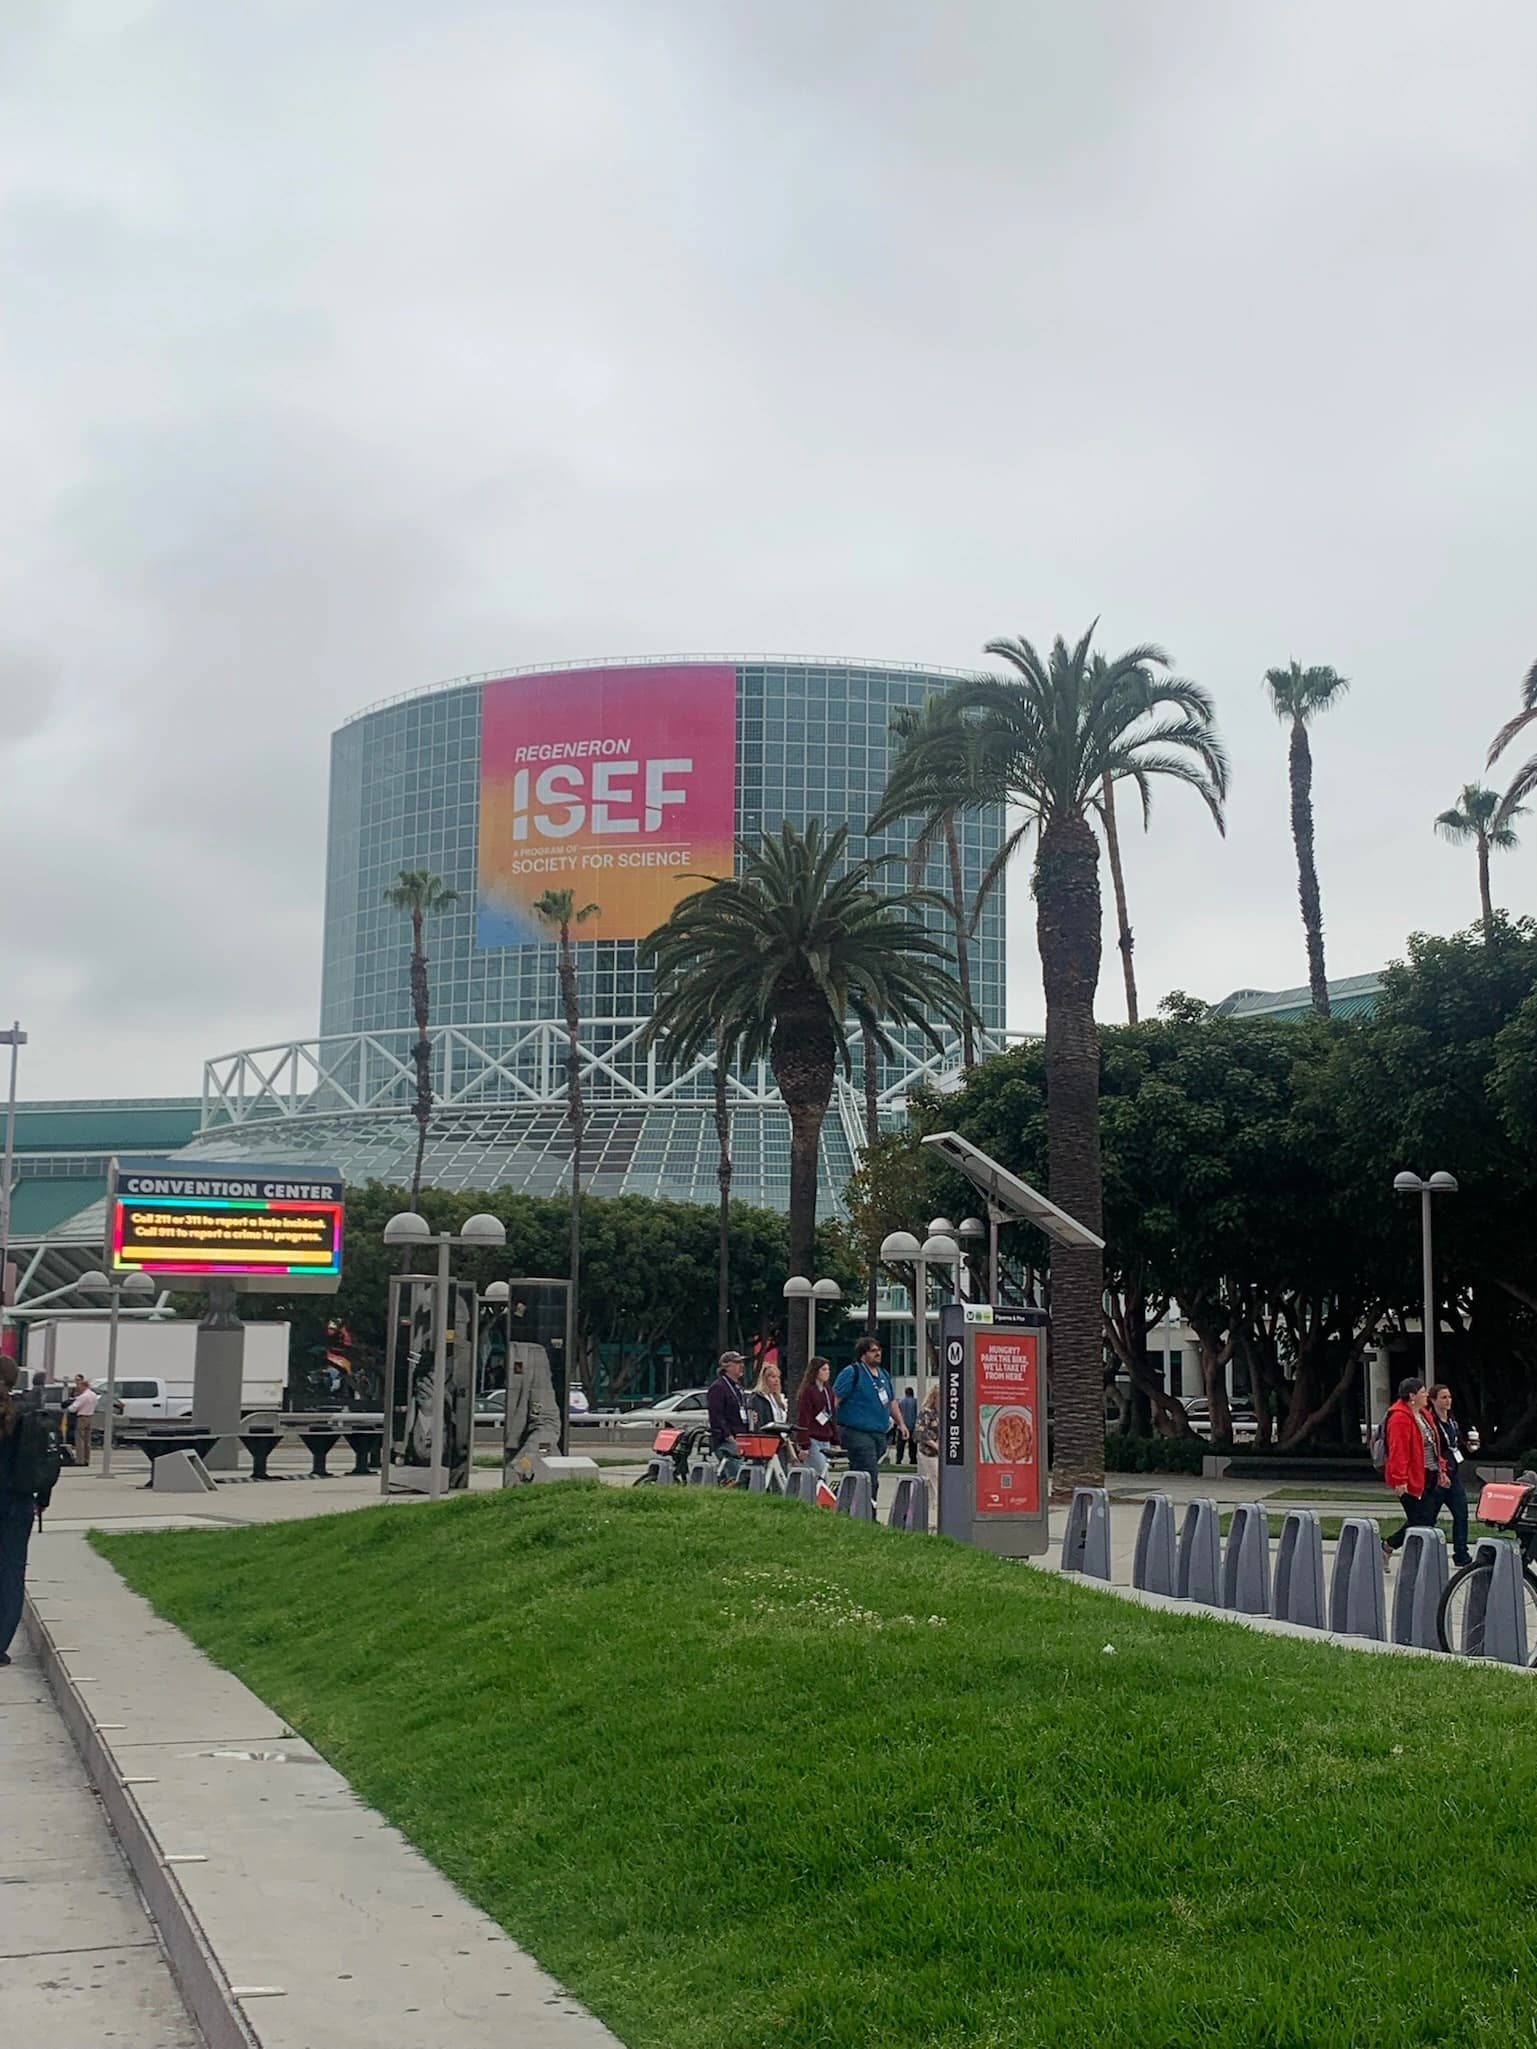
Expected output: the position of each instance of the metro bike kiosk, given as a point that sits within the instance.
(994, 1483)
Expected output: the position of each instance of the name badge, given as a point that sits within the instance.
(824, 1417)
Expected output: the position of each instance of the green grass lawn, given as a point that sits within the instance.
(742, 1774)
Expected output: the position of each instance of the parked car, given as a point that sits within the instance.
(1245, 1422)
(684, 1407)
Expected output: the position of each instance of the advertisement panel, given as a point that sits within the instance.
(617, 784)
(1006, 1407)
(269, 1229)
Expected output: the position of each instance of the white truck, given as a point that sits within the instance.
(154, 1362)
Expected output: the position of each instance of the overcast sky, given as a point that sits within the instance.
(348, 345)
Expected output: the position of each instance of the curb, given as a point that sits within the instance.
(203, 1986)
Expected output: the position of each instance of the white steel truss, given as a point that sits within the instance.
(520, 1064)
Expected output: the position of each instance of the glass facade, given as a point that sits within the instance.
(813, 741)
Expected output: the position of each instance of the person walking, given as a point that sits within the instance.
(1413, 1470)
(29, 1466)
(83, 1424)
(908, 1409)
(726, 1406)
(815, 1429)
(765, 1398)
(867, 1410)
(1455, 1494)
(928, 1450)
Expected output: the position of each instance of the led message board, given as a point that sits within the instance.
(265, 1229)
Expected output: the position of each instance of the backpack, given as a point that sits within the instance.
(1379, 1445)
(36, 1457)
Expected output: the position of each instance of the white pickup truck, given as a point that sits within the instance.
(154, 1362)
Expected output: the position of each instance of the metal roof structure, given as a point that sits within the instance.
(1350, 996)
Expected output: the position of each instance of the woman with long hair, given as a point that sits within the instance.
(766, 1398)
(29, 1465)
(815, 1430)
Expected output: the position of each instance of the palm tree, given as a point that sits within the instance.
(1521, 721)
(929, 737)
(557, 909)
(1483, 817)
(1300, 694)
(1123, 938)
(1045, 739)
(786, 952)
(419, 893)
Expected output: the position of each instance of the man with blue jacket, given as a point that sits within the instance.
(867, 1408)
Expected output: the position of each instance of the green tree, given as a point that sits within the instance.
(1297, 696)
(1481, 817)
(557, 910)
(1045, 740)
(420, 894)
(785, 951)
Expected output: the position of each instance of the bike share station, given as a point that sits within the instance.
(440, 1331)
(994, 1403)
(225, 1229)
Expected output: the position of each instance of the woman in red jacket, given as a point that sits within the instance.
(814, 1429)
(1414, 1469)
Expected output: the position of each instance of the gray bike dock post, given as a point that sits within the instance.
(802, 1484)
(1246, 1568)
(702, 1472)
(1417, 1595)
(1494, 1620)
(854, 1497)
(754, 1479)
(660, 1471)
(1086, 1540)
(1357, 1603)
(1297, 1585)
(1155, 1562)
(910, 1505)
(1199, 1575)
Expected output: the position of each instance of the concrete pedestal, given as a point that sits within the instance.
(218, 1367)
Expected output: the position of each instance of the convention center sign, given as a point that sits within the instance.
(617, 784)
(267, 1229)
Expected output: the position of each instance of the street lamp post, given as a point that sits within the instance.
(798, 1289)
(938, 1249)
(970, 1231)
(120, 1285)
(1437, 1184)
(15, 1038)
(481, 1233)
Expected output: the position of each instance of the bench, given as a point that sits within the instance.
(261, 1433)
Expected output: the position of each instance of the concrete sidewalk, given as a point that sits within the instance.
(79, 1958)
(293, 1914)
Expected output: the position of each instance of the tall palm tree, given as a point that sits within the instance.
(1299, 695)
(420, 893)
(1045, 739)
(926, 735)
(1123, 938)
(557, 909)
(785, 950)
(686, 1030)
(1483, 817)
(1522, 719)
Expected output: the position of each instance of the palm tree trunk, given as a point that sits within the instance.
(872, 1058)
(723, 1176)
(421, 1053)
(574, 1118)
(1118, 884)
(802, 1056)
(1485, 900)
(1068, 923)
(962, 949)
(1307, 872)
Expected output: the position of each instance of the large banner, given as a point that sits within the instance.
(617, 784)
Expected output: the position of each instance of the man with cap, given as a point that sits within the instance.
(728, 1412)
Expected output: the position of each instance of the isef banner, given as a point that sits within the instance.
(617, 784)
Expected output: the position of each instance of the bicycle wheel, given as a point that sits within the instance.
(1460, 1616)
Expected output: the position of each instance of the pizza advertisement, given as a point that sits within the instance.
(1006, 1381)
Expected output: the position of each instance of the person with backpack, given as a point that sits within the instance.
(30, 1458)
(1411, 1461)
(867, 1409)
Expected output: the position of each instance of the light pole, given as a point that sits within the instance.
(1438, 1184)
(119, 1286)
(970, 1231)
(15, 1038)
(481, 1233)
(938, 1249)
(798, 1289)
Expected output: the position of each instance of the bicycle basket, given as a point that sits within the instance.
(757, 1447)
(1502, 1502)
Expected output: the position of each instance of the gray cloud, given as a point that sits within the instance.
(347, 349)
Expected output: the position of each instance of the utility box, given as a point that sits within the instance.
(993, 1408)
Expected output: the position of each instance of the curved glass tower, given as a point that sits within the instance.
(624, 782)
